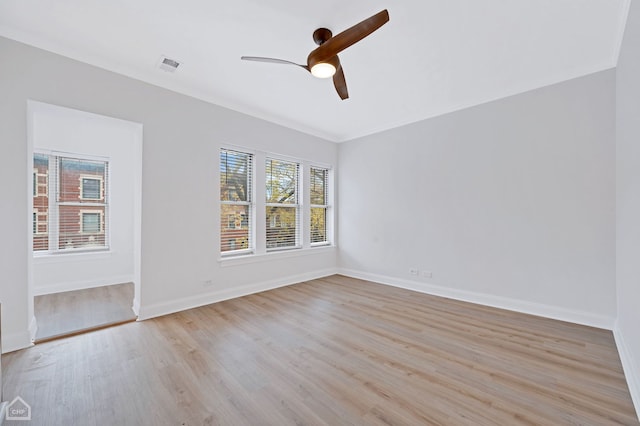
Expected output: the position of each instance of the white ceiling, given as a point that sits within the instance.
(431, 58)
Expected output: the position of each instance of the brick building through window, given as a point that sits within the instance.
(70, 208)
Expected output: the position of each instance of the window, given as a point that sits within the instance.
(91, 222)
(231, 224)
(236, 170)
(40, 176)
(39, 222)
(91, 188)
(76, 217)
(282, 208)
(318, 184)
(293, 212)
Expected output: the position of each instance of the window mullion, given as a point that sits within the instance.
(260, 213)
(305, 200)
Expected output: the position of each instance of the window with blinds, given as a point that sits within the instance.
(296, 213)
(236, 207)
(318, 189)
(282, 208)
(70, 203)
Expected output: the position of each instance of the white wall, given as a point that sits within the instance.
(509, 203)
(182, 137)
(70, 131)
(627, 329)
(15, 257)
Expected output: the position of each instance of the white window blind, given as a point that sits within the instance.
(236, 206)
(77, 214)
(282, 208)
(318, 189)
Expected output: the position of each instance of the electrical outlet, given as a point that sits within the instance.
(414, 271)
(427, 274)
(207, 283)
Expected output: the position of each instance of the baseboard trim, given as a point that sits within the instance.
(631, 369)
(553, 312)
(136, 306)
(16, 341)
(81, 285)
(160, 309)
(33, 328)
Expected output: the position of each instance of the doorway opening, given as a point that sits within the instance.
(85, 237)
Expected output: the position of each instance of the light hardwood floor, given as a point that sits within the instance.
(335, 351)
(77, 311)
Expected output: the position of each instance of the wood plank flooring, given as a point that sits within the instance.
(72, 312)
(333, 351)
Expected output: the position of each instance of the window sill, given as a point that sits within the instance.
(273, 255)
(75, 256)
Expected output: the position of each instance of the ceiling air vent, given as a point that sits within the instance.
(168, 64)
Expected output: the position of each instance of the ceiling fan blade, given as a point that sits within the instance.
(350, 36)
(272, 60)
(340, 83)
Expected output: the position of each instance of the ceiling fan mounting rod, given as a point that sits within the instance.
(321, 35)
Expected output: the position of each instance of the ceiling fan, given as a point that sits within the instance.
(323, 61)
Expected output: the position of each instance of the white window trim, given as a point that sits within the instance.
(273, 255)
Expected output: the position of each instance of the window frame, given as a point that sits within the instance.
(258, 216)
(326, 206)
(55, 204)
(296, 206)
(249, 203)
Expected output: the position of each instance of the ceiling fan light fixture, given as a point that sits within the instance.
(323, 61)
(323, 70)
